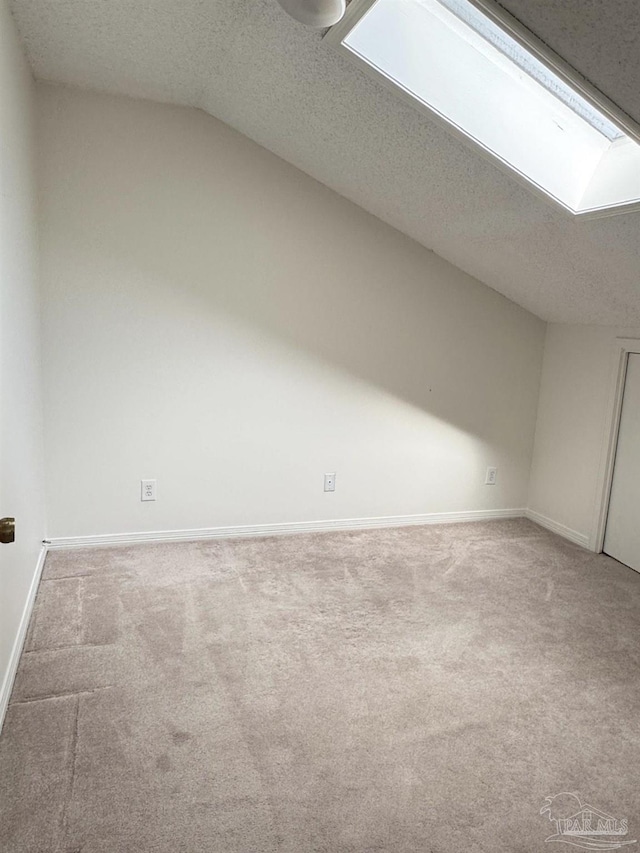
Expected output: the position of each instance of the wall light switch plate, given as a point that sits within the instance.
(148, 490)
(492, 477)
(329, 482)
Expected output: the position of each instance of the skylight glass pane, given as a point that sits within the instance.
(513, 50)
(453, 59)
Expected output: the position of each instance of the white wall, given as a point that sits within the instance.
(21, 468)
(219, 321)
(577, 380)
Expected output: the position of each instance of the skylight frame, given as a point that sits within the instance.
(357, 9)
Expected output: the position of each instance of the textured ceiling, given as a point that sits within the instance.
(247, 63)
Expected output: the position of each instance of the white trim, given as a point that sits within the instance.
(16, 651)
(358, 8)
(562, 530)
(620, 358)
(283, 529)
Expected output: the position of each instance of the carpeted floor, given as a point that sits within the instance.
(418, 689)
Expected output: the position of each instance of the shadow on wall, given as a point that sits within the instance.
(205, 212)
(180, 256)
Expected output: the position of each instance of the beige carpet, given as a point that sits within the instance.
(418, 689)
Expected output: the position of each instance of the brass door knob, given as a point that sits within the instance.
(7, 530)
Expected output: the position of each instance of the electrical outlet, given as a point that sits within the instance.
(329, 482)
(492, 477)
(148, 490)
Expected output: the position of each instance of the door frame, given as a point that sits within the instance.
(623, 347)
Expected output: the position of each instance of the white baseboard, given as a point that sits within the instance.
(282, 529)
(16, 651)
(561, 529)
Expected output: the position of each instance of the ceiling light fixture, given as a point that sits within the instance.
(315, 13)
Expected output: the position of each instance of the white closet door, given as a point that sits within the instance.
(622, 539)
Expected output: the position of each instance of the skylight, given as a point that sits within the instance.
(472, 69)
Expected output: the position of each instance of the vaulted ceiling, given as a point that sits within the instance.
(247, 63)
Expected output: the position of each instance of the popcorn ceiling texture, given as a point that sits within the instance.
(250, 65)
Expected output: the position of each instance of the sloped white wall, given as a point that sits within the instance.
(219, 321)
(21, 465)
